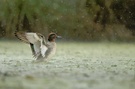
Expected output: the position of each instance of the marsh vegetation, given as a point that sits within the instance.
(75, 66)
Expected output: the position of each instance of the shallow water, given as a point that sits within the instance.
(76, 65)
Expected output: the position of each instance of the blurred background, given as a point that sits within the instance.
(86, 20)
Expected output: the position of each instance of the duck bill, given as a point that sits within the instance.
(59, 36)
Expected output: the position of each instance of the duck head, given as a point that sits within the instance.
(52, 37)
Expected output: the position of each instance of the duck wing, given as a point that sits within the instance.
(36, 40)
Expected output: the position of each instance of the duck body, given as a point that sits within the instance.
(41, 49)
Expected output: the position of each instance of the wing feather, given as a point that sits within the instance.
(21, 36)
(32, 49)
(32, 37)
(43, 49)
(36, 40)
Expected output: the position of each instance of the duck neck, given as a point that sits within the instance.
(51, 40)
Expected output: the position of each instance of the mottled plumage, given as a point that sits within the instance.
(41, 49)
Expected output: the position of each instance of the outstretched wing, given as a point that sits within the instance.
(36, 41)
(21, 36)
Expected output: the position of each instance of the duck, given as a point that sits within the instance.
(42, 49)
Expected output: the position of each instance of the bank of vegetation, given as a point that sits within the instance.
(73, 19)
